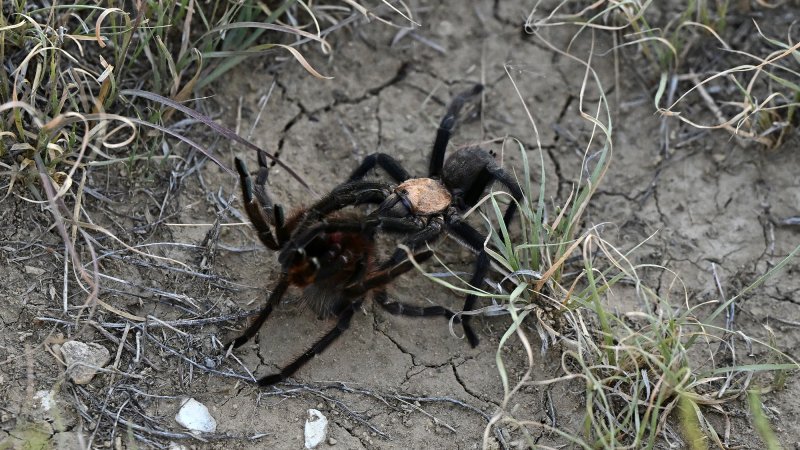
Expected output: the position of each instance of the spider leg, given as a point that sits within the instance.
(423, 236)
(507, 180)
(273, 300)
(357, 290)
(404, 225)
(263, 213)
(367, 225)
(352, 193)
(296, 247)
(340, 226)
(341, 325)
(384, 276)
(404, 309)
(389, 164)
(474, 239)
(446, 127)
(259, 207)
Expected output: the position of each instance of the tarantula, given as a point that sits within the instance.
(425, 208)
(330, 257)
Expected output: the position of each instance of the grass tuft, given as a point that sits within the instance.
(750, 93)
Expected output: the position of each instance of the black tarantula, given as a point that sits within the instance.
(425, 208)
(332, 262)
(330, 256)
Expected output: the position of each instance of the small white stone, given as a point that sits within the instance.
(34, 270)
(194, 416)
(316, 428)
(45, 399)
(83, 360)
(446, 28)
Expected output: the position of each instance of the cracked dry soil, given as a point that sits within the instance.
(713, 201)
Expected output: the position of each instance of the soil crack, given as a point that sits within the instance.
(377, 328)
(557, 169)
(399, 76)
(351, 432)
(463, 384)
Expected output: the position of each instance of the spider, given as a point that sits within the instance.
(329, 255)
(426, 208)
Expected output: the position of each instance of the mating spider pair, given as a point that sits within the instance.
(329, 254)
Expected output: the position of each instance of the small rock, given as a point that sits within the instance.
(194, 416)
(316, 428)
(34, 270)
(45, 399)
(446, 28)
(332, 441)
(83, 360)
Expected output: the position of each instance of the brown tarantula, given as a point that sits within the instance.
(332, 261)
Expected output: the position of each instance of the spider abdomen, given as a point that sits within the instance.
(346, 258)
(466, 166)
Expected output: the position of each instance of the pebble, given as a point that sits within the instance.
(34, 270)
(316, 428)
(194, 416)
(45, 399)
(83, 360)
(446, 28)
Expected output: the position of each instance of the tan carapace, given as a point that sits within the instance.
(426, 195)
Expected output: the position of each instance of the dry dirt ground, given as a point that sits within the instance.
(388, 382)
